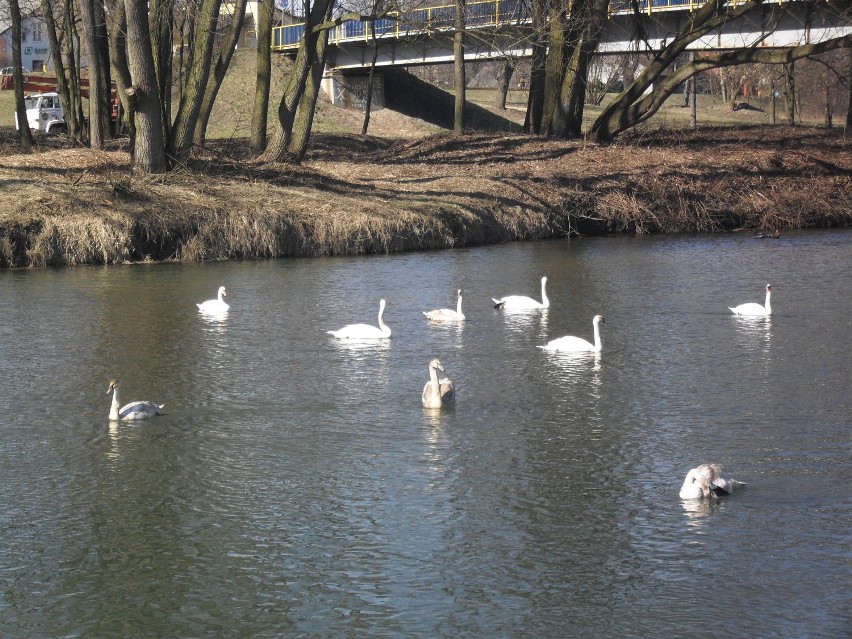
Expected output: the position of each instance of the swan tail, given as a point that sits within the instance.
(498, 303)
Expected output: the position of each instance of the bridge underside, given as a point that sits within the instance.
(773, 26)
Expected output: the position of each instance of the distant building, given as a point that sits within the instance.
(35, 48)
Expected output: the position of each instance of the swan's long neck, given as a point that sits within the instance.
(221, 295)
(544, 301)
(113, 409)
(597, 336)
(458, 306)
(433, 381)
(382, 326)
(768, 307)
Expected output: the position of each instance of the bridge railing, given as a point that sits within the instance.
(485, 13)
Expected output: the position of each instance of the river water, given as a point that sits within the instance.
(295, 486)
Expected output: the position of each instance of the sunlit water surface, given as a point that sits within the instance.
(297, 488)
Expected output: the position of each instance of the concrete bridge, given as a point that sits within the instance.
(499, 28)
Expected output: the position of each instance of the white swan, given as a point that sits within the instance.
(707, 481)
(215, 306)
(571, 344)
(447, 314)
(133, 410)
(438, 393)
(522, 302)
(364, 331)
(753, 308)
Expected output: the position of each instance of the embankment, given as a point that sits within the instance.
(356, 196)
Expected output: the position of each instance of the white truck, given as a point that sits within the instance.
(44, 113)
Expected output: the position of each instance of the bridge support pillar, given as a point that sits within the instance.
(349, 90)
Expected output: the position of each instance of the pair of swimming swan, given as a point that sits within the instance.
(365, 331)
(753, 308)
(133, 410)
(215, 306)
(707, 481)
(438, 393)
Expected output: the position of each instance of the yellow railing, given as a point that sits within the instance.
(486, 13)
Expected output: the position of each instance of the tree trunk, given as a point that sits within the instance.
(223, 61)
(73, 66)
(458, 66)
(161, 18)
(535, 98)
(558, 51)
(307, 105)
(117, 28)
(199, 74)
(263, 78)
(368, 106)
(589, 17)
(305, 57)
(772, 112)
(790, 93)
(24, 135)
(97, 54)
(62, 85)
(504, 79)
(149, 154)
(849, 85)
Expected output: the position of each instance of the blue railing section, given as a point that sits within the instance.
(486, 13)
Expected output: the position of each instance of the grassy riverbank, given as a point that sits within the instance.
(411, 185)
(380, 195)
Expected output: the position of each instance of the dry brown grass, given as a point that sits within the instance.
(358, 195)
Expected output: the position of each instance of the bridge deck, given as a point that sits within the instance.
(479, 15)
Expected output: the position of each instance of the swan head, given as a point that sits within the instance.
(599, 319)
(459, 293)
(381, 304)
(544, 280)
(223, 292)
(113, 384)
(768, 288)
(436, 363)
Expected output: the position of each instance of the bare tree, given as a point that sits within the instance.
(63, 85)
(97, 56)
(24, 134)
(458, 65)
(144, 95)
(263, 78)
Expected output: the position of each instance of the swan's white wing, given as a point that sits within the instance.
(444, 315)
(358, 331)
(140, 410)
(569, 344)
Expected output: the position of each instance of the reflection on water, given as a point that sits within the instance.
(297, 487)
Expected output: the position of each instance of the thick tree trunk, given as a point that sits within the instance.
(24, 134)
(558, 50)
(588, 17)
(263, 78)
(149, 154)
(504, 79)
(223, 61)
(458, 66)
